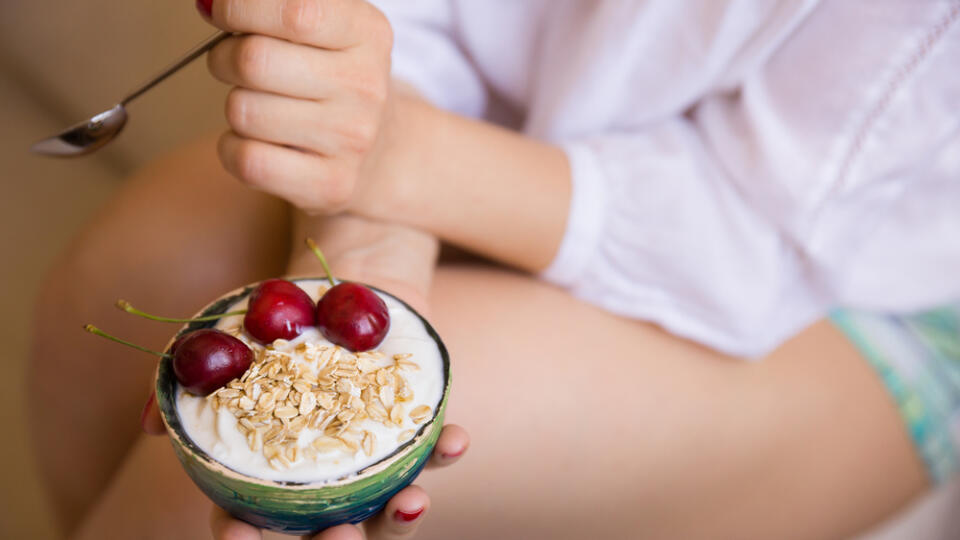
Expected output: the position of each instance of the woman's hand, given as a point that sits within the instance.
(311, 89)
(397, 259)
(398, 520)
(316, 121)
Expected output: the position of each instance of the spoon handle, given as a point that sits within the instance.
(190, 56)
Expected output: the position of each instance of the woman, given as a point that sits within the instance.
(730, 172)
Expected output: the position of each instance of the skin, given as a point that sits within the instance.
(603, 426)
(182, 266)
(804, 444)
(316, 120)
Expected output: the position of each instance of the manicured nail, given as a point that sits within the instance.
(205, 7)
(452, 455)
(407, 517)
(146, 408)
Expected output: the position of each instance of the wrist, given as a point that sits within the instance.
(395, 184)
(476, 185)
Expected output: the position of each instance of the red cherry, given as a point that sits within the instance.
(353, 316)
(207, 359)
(278, 310)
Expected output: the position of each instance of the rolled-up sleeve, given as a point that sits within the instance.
(657, 231)
(824, 179)
(733, 181)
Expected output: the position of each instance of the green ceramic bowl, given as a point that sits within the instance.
(295, 507)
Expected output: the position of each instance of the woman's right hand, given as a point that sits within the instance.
(315, 120)
(311, 89)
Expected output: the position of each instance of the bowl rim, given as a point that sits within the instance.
(179, 437)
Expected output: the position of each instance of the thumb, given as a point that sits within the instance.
(150, 419)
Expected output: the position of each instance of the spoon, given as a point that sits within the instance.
(92, 134)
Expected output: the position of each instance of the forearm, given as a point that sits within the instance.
(473, 184)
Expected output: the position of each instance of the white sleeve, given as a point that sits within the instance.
(656, 231)
(427, 55)
(825, 179)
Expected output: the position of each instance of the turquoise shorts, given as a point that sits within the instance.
(918, 358)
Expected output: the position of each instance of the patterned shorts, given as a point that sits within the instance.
(918, 358)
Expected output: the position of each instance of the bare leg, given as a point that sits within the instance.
(151, 496)
(586, 425)
(178, 233)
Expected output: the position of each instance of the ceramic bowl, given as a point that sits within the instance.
(295, 507)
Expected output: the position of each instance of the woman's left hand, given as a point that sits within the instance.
(399, 519)
(394, 258)
(311, 89)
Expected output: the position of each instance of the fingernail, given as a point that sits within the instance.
(205, 7)
(454, 454)
(146, 408)
(407, 517)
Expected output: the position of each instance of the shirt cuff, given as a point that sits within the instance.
(585, 219)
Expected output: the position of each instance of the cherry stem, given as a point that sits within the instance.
(96, 331)
(323, 261)
(125, 306)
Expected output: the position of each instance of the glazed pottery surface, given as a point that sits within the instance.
(294, 507)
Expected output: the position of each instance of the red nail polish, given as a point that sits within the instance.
(407, 517)
(205, 7)
(453, 455)
(146, 407)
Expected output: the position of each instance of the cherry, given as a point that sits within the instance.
(353, 316)
(207, 359)
(278, 309)
(349, 314)
(203, 360)
(176, 343)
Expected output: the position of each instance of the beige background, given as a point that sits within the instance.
(61, 61)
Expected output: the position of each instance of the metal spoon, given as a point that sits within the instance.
(96, 132)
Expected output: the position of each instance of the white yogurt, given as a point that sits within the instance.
(217, 433)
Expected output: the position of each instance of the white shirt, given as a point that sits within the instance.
(739, 168)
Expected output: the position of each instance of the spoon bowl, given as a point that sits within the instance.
(84, 137)
(93, 134)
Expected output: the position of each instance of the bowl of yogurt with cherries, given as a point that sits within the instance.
(322, 420)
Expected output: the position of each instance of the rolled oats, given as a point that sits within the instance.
(334, 393)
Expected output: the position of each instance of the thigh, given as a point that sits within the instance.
(588, 425)
(585, 425)
(176, 233)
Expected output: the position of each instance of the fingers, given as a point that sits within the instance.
(150, 417)
(341, 532)
(277, 66)
(322, 128)
(452, 444)
(401, 517)
(305, 179)
(403, 514)
(399, 520)
(330, 24)
(225, 527)
(310, 75)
